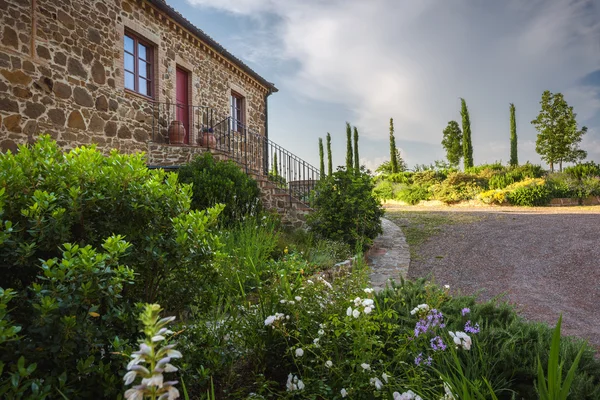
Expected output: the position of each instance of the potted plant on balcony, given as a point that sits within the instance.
(207, 138)
(176, 132)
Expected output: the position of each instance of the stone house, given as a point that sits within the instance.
(132, 75)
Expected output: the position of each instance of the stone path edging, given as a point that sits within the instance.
(389, 257)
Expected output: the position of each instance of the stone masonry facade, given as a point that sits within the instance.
(62, 73)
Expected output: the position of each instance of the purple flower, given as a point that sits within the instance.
(428, 361)
(471, 329)
(437, 344)
(419, 359)
(434, 318)
(465, 311)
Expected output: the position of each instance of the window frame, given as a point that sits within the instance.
(149, 59)
(240, 104)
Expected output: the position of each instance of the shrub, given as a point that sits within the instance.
(345, 208)
(427, 178)
(50, 198)
(384, 190)
(221, 182)
(497, 166)
(584, 170)
(413, 194)
(531, 192)
(494, 196)
(528, 170)
(458, 186)
(563, 186)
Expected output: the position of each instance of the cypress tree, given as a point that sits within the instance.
(349, 163)
(275, 171)
(466, 126)
(514, 158)
(356, 160)
(329, 160)
(393, 159)
(322, 163)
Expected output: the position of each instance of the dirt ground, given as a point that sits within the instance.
(546, 261)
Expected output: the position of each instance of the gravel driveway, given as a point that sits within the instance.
(547, 262)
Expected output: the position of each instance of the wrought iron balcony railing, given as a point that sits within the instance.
(203, 127)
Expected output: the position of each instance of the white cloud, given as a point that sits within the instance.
(412, 60)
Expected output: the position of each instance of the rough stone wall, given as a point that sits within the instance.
(61, 72)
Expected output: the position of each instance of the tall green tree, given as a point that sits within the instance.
(356, 159)
(466, 128)
(514, 158)
(386, 166)
(452, 143)
(393, 150)
(274, 169)
(321, 156)
(349, 162)
(329, 160)
(558, 137)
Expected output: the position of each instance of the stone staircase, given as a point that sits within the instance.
(293, 212)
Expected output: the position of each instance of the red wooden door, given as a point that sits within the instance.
(182, 99)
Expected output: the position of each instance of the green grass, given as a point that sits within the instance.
(418, 226)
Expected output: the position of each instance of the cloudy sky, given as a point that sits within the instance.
(364, 61)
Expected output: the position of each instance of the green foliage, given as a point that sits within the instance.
(349, 162)
(386, 166)
(329, 159)
(584, 170)
(356, 159)
(553, 388)
(428, 177)
(413, 194)
(345, 209)
(321, 159)
(395, 167)
(478, 169)
(514, 157)
(221, 182)
(452, 143)
(466, 128)
(531, 192)
(458, 186)
(51, 198)
(558, 138)
(384, 190)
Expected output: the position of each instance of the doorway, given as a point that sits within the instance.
(182, 101)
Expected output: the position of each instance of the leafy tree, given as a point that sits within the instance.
(393, 151)
(356, 159)
(349, 162)
(329, 160)
(514, 159)
(558, 138)
(466, 126)
(386, 166)
(322, 161)
(452, 143)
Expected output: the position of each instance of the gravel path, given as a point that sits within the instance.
(546, 262)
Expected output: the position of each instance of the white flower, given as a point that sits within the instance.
(311, 282)
(446, 286)
(368, 290)
(355, 313)
(349, 311)
(419, 308)
(270, 319)
(385, 377)
(343, 392)
(365, 366)
(448, 393)
(461, 339)
(299, 352)
(316, 342)
(321, 332)
(377, 383)
(158, 338)
(357, 301)
(134, 394)
(300, 384)
(154, 380)
(367, 310)
(282, 301)
(298, 298)
(367, 302)
(129, 377)
(329, 363)
(293, 383)
(292, 302)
